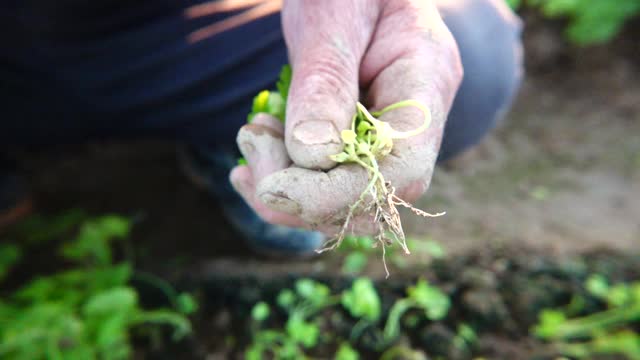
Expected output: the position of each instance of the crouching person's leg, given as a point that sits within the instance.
(187, 73)
(488, 36)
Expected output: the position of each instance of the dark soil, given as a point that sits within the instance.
(498, 292)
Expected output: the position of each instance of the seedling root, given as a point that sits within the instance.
(368, 141)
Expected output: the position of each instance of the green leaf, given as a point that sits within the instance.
(303, 332)
(312, 291)
(597, 285)
(428, 247)
(181, 325)
(362, 300)
(467, 333)
(354, 263)
(186, 304)
(433, 301)
(286, 299)
(514, 4)
(549, 322)
(119, 299)
(260, 311)
(254, 352)
(9, 255)
(346, 352)
(361, 243)
(93, 240)
(284, 82)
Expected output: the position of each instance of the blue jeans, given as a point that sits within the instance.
(130, 73)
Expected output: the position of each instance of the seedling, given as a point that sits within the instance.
(303, 305)
(301, 330)
(362, 300)
(423, 296)
(366, 143)
(88, 311)
(606, 332)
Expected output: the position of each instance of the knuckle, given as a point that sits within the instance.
(327, 76)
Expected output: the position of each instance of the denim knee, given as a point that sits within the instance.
(488, 36)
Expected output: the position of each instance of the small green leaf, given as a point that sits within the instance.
(549, 322)
(597, 285)
(348, 136)
(433, 301)
(254, 352)
(285, 299)
(362, 128)
(284, 82)
(354, 263)
(186, 304)
(119, 299)
(346, 352)
(427, 247)
(362, 300)
(312, 291)
(93, 240)
(467, 333)
(259, 104)
(260, 311)
(242, 161)
(303, 332)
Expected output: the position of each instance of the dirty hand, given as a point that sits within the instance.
(380, 51)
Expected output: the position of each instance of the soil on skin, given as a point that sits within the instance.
(559, 177)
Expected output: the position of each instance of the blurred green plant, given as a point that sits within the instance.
(301, 329)
(422, 296)
(608, 332)
(590, 21)
(306, 301)
(360, 248)
(87, 311)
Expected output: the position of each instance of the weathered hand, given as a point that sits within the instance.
(380, 51)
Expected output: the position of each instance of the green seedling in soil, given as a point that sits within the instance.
(354, 262)
(606, 332)
(87, 311)
(305, 306)
(357, 249)
(423, 296)
(362, 300)
(346, 352)
(366, 143)
(590, 21)
(465, 337)
(302, 330)
(302, 304)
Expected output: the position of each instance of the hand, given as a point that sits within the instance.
(391, 50)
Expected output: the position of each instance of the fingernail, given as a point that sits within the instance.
(281, 203)
(316, 133)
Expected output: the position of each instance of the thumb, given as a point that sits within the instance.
(326, 41)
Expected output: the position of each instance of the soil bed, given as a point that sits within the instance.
(497, 292)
